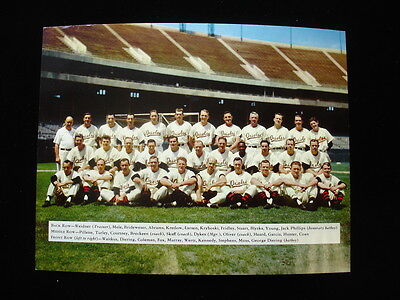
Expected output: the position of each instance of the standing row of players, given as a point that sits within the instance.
(284, 156)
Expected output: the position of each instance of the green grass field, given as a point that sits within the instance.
(189, 259)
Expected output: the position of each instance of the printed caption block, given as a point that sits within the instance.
(194, 234)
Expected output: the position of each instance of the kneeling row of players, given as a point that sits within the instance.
(154, 186)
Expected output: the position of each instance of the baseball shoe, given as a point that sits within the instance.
(269, 206)
(168, 205)
(212, 205)
(67, 204)
(311, 205)
(244, 205)
(335, 205)
(46, 203)
(302, 206)
(235, 205)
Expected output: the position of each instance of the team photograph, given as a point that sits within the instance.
(142, 123)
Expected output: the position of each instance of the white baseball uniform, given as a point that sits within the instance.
(197, 162)
(152, 180)
(212, 178)
(132, 156)
(238, 181)
(181, 131)
(204, 133)
(277, 138)
(297, 192)
(330, 181)
(175, 177)
(125, 185)
(224, 160)
(157, 132)
(228, 132)
(90, 134)
(170, 157)
(144, 156)
(271, 178)
(110, 156)
(68, 189)
(253, 136)
(285, 159)
(94, 174)
(323, 136)
(301, 138)
(113, 132)
(258, 157)
(315, 161)
(246, 159)
(80, 158)
(64, 138)
(134, 133)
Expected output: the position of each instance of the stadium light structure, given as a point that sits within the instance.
(134, 95)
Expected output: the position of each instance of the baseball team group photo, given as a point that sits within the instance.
(201, 166)
(161, 123)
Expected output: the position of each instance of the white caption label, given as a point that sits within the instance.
(192, 233)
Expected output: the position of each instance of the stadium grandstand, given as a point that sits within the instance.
(121, 68)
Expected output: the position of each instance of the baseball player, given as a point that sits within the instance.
(170, 155)
(181, 183)
(299, 134)
(203, 131)
(287, 157)
(265, 186)
(110, 155)
(263, 154)
(313, 159)
(96, 183)
(80, 154)
(253, 134)
(229, 131)
(64, 141)
(239, 183)
(129, 151)
(143, 157)
(154, 130)
(63, 185)
(242, 153)
(197, 158)
(130, 130)
(211, 183)
(111, 129)
(88, 130)
(180, 129)
(331, 188)
(223, 156)
(147, 181)
(301, 188)
(323, 136)
(277, 135)
(123, 191)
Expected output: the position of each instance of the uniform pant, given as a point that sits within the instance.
(66, 192)
(181, 196)
(217, 197)
(232, 198)
(63, 156)
(329, 197)
(297, 193)
(108, 195)
(149, 197)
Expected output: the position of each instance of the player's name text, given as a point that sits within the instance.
(196, 234)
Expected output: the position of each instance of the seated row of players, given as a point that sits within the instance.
(252, 134)
(177, 178)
